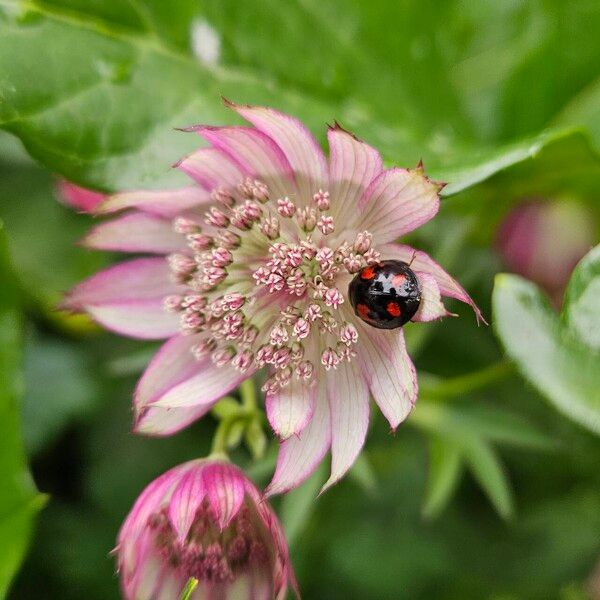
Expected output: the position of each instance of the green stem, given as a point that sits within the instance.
(248, 395)
(464, 384)
(219, 442)
(190, 586)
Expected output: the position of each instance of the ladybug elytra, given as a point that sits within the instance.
(385, 295)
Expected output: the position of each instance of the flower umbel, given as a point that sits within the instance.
(203, 519)
(252, 272)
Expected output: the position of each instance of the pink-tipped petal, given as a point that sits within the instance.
(420, 261)
(185, 501)
(176, 381)
(352, 166)
(431, 307)
(165, 203)
(143, 320)
(128, 298)
(298, 144)
(81, 199)
(149, 499)
(136, 232)
(290, 409)
(389, 372)
(349, 406)
(212, 169)
(397, 202)
(161, 422)
(300, 455)
(225, 490)
(256, 154)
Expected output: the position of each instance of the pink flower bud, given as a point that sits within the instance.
(321, 199)
(544, 240)
(203, 519)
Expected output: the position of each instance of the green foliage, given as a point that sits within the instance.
(79, 95)
(559, 357)
(19, 501)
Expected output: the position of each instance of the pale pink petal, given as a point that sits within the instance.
(160, 421)
(291, 408)
(211, 169)
(255, 153)
(349, 406)
(431, 307)
(397, 202)
(420, 261)
(79, 198)
(300, 455)
(177, 381)
(165, 203)
(128, 298)
(299, 145)
(185, 501)
(136, 232)
(389, 372)
(225, 490)
(143, 319)
(138, 279)
(352, 166)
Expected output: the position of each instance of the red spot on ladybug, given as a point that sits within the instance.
(399, 280)
(394, 309)
(367, 273)
(363, 311)
(385, 295)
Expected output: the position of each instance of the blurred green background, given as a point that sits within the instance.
(487, 491)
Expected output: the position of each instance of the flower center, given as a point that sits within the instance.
(265, 277)
(208, 554)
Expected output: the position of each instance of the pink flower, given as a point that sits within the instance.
(79, 198)
(544, 240)
(203, 519)
(260, 193)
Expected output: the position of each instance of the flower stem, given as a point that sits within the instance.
(464, 384)
(219, 442)
(190, 586)
(248, 395)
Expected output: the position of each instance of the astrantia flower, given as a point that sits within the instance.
(253, 270)
(203, 519)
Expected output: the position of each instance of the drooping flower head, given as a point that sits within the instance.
(253, 268)
(203, 519)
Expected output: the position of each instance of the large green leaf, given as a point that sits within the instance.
(94, 90)
(555, 357)
(19, 501)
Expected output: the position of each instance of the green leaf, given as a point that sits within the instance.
(563, 368)
(19, 501)
(94, 90)
(581, 310)
(457, 421)
(445, 467)
(487, 469)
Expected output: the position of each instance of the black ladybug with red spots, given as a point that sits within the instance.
(385, 295)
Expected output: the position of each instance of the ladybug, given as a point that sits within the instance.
(385, 295)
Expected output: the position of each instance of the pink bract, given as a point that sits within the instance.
(79, 198)
(251, 271)
(203, 519)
